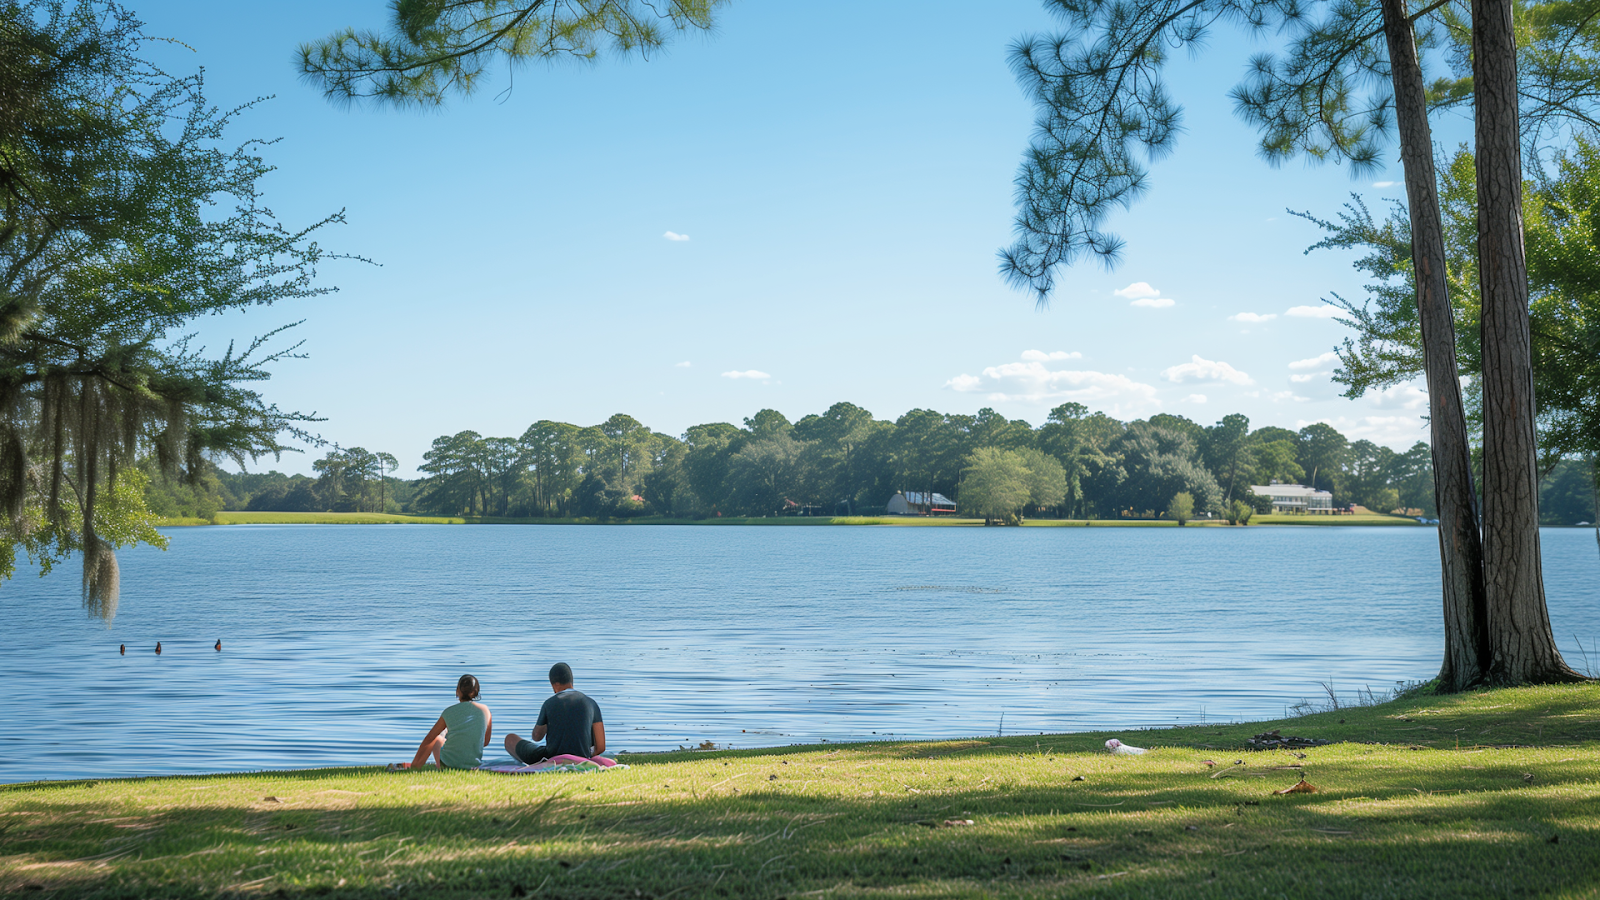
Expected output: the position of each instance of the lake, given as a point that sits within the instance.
(341, 644)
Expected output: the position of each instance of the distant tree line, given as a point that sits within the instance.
(844, 461)
(353, 480)
(1078, 464)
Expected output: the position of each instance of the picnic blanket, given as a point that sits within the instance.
(563, 763)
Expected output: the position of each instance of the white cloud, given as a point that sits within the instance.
(1153, 302)
(1195, 398)
(1253, 317)
(674, 236)
(1041, 356)
(1302, 379)
(1277, 396)
(1398, 432)
(1315, 312)
(683, 365)
(1136, 290)
(1201, 369)
(1400, 396)
(1315, 362)
(752, 374)
(1032, 381)
(1384, 184)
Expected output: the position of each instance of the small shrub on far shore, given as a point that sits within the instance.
(1240, 513)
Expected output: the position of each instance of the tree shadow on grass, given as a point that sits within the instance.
(758, 828)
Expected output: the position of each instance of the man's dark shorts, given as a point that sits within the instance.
(529, 752)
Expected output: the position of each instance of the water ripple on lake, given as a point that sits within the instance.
(343, 643)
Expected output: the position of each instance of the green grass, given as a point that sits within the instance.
(911, 521)
(1488, 794)
(330, 518)
(1369, 519)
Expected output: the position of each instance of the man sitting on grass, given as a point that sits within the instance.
(569, 723)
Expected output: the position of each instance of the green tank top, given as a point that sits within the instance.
(463, 740)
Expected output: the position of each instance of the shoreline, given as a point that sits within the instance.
(332, 518)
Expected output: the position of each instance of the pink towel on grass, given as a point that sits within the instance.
(566, 762)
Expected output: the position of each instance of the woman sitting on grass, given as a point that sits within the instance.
(456, 740)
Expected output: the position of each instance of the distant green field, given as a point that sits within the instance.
(327, 518)
(1372, 519)
(176, 521)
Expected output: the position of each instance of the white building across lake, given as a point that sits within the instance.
(917, 503)
(1296, 498)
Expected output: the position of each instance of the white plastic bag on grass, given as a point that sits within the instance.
(1121, 749)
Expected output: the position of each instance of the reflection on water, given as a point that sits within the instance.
(343, 643)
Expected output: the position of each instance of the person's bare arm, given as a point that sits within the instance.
(599, 738)
(488, 724)
(426, 747)
(539, 732)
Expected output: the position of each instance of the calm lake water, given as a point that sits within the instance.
(341, 644)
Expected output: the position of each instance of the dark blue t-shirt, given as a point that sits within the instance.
(570, 716)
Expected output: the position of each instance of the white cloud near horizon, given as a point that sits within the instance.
(683, 365)
(1137, 290)
(674, 236)
(1398, 432)
(752, 374)
(1202, 369)
(1153, 302)
(1315, 362)
(1252, 317)
(1315, 312)
(1041, 356)
(1195, 398)
(1400, 396)
(1032, 381)
(1384, 184)
(1277, 396)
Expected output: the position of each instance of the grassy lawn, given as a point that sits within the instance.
(1368, 519)
(1487, 794)
(330, 518)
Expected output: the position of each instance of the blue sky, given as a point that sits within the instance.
(841, 176)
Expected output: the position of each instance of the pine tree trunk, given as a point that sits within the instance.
(1521, 646)
(1466, 650)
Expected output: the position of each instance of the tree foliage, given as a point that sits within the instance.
(844, 461)
(1181, 509)
(434, 48)
(1104, 111)
(995, 484)
(1562, 216)
(123, 217)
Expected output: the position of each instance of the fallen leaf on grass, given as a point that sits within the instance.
(1300, 787)
(947, 823)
